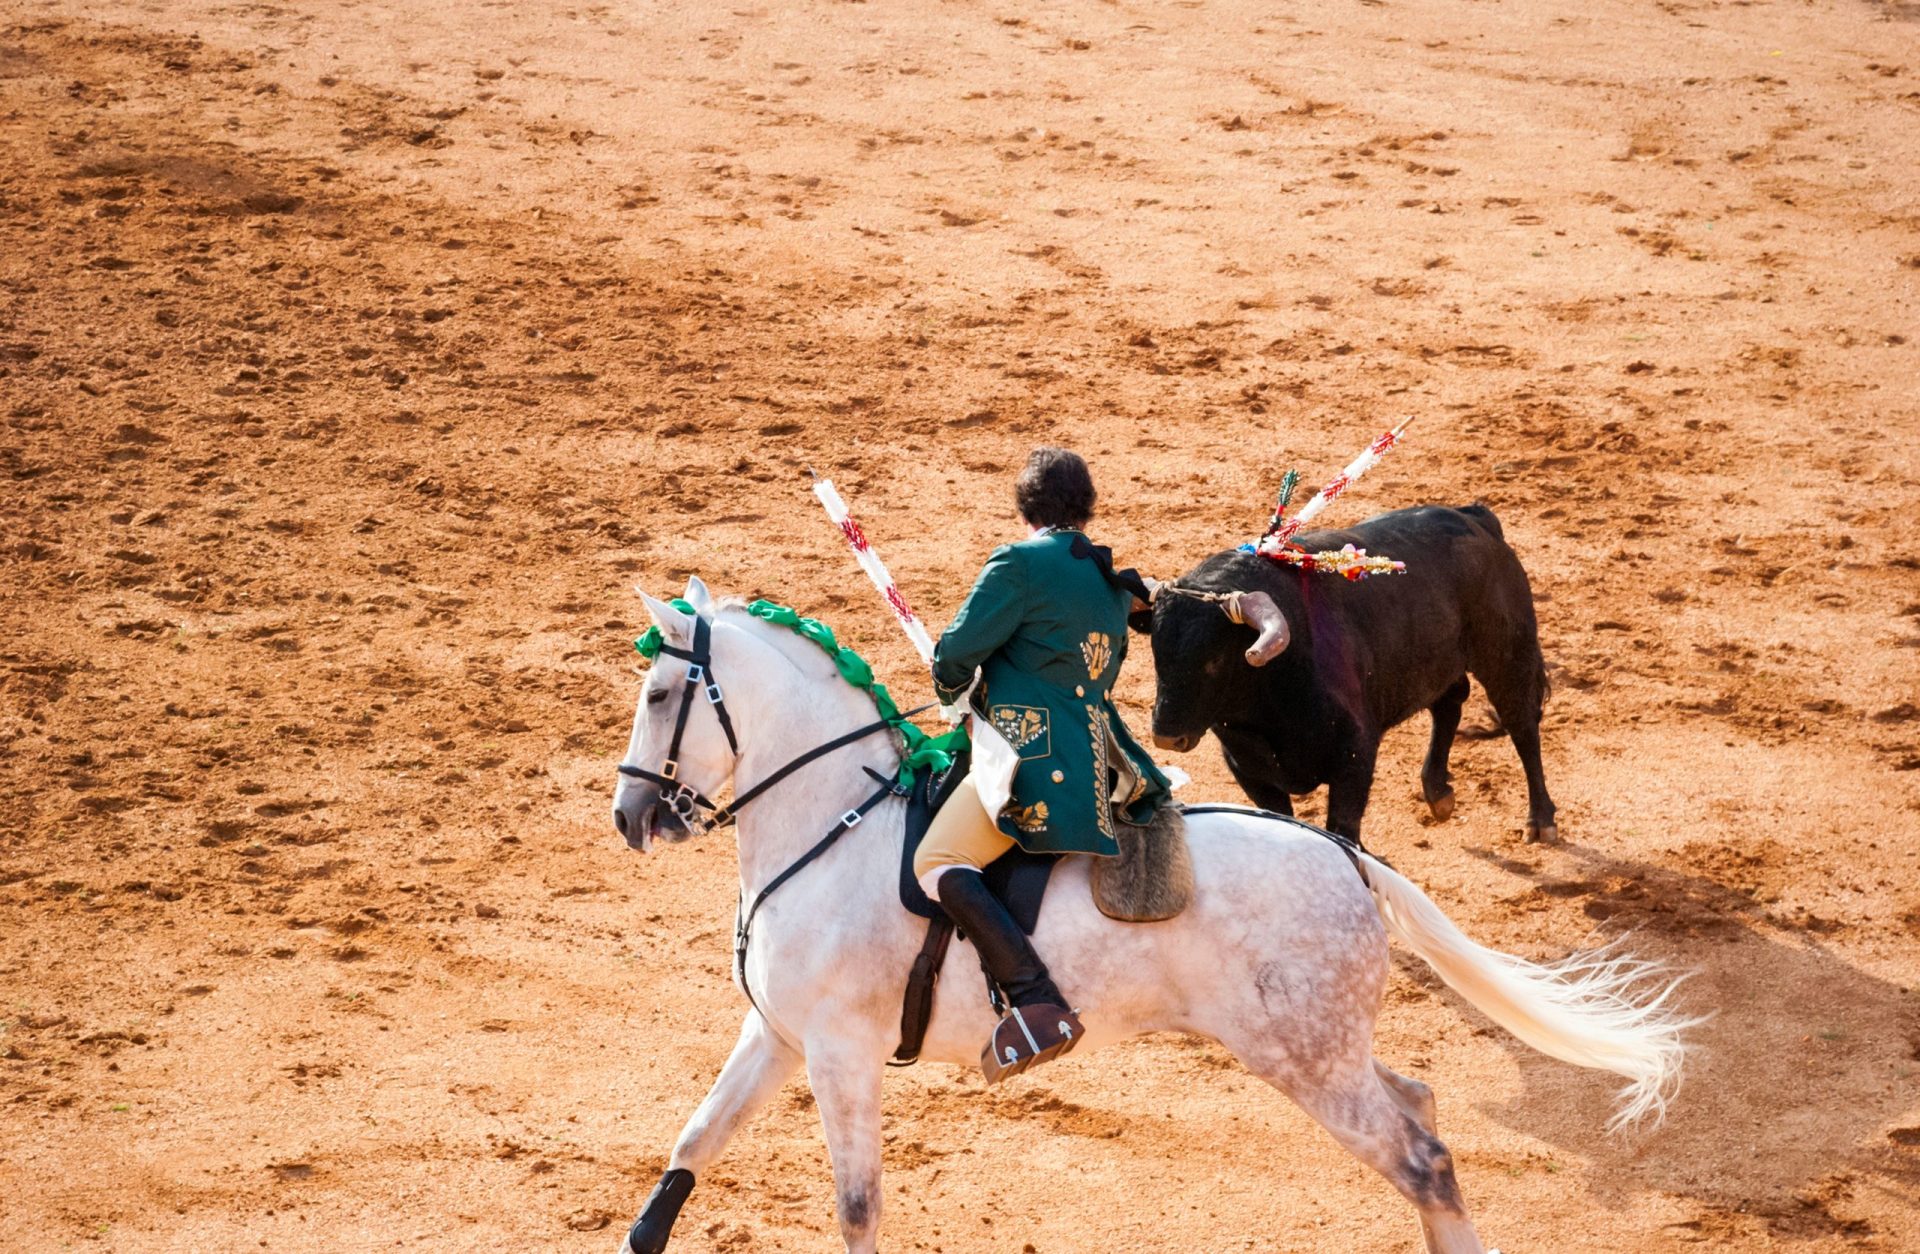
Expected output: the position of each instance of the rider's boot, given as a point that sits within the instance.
(1038, 1024)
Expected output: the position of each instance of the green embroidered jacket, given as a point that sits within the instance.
(1048, 634)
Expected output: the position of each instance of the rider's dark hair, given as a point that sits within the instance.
(1055, 489)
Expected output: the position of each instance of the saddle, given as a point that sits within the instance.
(1151, 880)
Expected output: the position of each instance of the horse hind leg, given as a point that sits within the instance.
(1413, 1097)
(1386, 1121)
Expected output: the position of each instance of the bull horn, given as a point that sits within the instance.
(1257, 610)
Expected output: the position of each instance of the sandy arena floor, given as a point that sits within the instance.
(357, 358)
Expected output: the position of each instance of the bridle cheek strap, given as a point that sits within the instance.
(684, 799)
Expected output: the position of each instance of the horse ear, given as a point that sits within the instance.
(675, 625)
(697, 595)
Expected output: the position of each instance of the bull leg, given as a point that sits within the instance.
(1255, 769)
(1518, 705)
(1540, 808)
(1436, 781)
(759, 1065)
(1351, 784)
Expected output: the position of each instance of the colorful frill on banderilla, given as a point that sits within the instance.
(1354, 563)
(1348, 561)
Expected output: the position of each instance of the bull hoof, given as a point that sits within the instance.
(1538, 834)
(1441, 804)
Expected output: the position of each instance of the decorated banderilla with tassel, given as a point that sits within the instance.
(1353, 563)
(876, 570)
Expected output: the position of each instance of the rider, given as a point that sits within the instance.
(1046, 628)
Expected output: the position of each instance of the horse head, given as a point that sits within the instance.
(685, 741)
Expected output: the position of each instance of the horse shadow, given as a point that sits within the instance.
(1796, 1085)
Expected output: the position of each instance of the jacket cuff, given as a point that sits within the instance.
(948, 693)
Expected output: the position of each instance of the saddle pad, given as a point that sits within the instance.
(1017, 878)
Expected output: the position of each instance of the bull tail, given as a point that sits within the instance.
(1602, 1008)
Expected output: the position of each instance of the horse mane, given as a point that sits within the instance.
(808, 659)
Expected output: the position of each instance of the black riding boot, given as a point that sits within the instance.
(1038, 1024)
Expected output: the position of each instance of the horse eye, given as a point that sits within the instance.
(656, 696)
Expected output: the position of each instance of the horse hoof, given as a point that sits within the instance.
(1538, 834)
(1441, 804)
(650, 1232)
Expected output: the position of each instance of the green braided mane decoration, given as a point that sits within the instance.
(921, 749)
(648, 645)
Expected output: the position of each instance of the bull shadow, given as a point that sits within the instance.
(1799, 1085)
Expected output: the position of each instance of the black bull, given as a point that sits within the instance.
(1363, 656)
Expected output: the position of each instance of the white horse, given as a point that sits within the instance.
(1282, 956)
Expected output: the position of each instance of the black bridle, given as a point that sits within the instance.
(683, 798)
(686, 801)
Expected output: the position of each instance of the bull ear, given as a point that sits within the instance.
(1141, 621)
(697, 595)
(675, 625)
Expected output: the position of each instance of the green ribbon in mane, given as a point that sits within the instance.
(648, 645)
(921, 750)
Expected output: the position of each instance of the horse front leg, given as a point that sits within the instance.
(759, 1065)
(846, 1087)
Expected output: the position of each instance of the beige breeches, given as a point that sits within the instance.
(960, 835)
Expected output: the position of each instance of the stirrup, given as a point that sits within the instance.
(1028, 1036)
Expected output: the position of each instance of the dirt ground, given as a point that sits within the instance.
(357, 358)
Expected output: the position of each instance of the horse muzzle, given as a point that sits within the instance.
(635, 825)
(641, 821)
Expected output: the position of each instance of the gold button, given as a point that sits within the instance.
(1059, 777)
(1079, 691)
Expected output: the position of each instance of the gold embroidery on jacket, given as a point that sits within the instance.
(1097, 651)
(1098, 731)
(1022, 726)
(1031, 818)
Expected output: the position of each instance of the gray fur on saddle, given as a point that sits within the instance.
(1152, 879)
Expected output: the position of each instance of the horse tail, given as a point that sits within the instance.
(1600, 1008)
